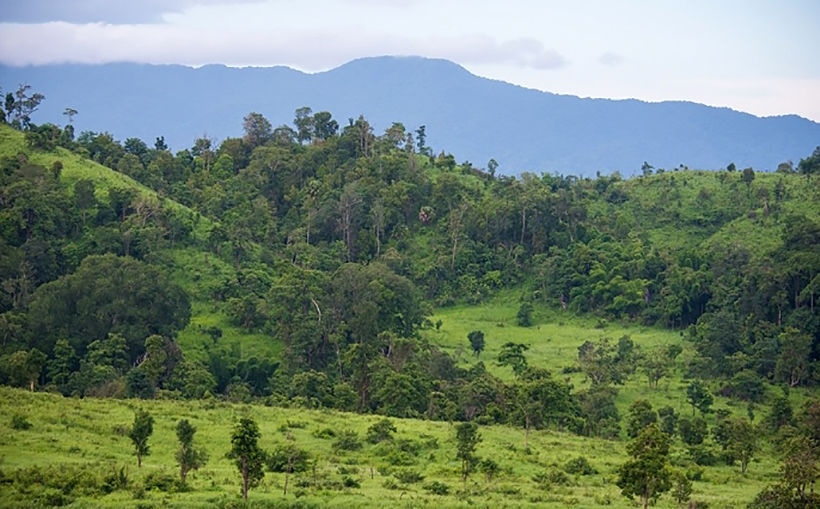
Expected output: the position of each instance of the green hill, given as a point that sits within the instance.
(313, 268)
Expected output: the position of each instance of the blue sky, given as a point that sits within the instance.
(751, 55)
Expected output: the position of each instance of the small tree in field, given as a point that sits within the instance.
(248, 456)
(188, 456)
(476, 338)
(647, 474)
(467, 438)
(140, 431)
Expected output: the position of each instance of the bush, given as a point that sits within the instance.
(19, 422)
(703, 456)
(437, 488)
(350, 482)
(161, 481)
(524, 316)
(347, 441)
(381, 431)
(579, 465)
(408, 476)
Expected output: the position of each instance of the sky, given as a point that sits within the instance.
(758, 56)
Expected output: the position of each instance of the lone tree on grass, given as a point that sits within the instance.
(467, 439)
(248, 456)
(476, 338)
(140, 431)
(188, 456)
(647, 474)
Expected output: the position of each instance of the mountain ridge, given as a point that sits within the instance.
(476, 118)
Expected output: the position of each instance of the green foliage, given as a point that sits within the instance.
(437, 488)
(467, 438)
(699, 397)
(188, 456)
(288, 458)
(512, 355)
(19, 422)
(692, 431)
(140, 431)
(647, 474)
(347, 440)
(381, 431)
(640, 416)
(476, 339)
(524, 316)
(248, 457)
(681, 487)
(579, 466)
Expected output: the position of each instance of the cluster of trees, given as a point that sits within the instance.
(647, 474)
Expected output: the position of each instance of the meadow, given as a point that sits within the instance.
(87, 439)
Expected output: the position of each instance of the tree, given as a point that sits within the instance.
(699, 397)
(467, 438)
(188, 456)
(524, 316)
(247, 455)
(476, 339)
(682, 488)
(795, 490)
(792, 364)
(23, 367)
(258, 130)
(748, 176)
(647, 474)
(640, 416)
(512, 355)
(304, 124)
(692, 431)
(742, 444)
(381, 431)
(140, 431)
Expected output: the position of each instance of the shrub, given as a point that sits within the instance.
(347, 441)
(381, 431)
(579, 465)
(19, 422)
(161, 481)
(408, 476)
(437, 488)
(350, 482)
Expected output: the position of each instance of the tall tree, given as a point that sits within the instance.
(647, 474)
(141, 430)
(248, 457)
(188, 456)
(467, 438)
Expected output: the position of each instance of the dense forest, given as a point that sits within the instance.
(334, 245)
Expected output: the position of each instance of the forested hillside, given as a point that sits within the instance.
(311, 264)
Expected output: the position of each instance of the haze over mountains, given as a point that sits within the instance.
(471, 117)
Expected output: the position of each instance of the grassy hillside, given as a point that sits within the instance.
(87, 435)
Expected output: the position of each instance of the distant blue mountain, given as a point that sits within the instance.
(471, 117)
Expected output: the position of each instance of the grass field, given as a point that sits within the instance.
(88, 435)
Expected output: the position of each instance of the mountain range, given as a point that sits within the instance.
(473, 118)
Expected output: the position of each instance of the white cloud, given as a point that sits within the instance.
(316, 49)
